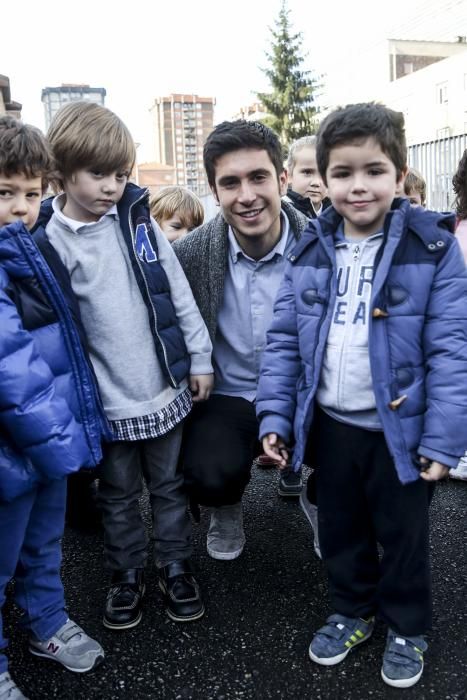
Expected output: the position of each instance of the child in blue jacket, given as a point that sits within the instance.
(366, 365)
(51, 423)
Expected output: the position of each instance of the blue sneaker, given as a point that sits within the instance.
(403, 660)
(340, 634)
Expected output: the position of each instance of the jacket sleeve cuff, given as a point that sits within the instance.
(448, 460)
(275, 424)
(201, 363)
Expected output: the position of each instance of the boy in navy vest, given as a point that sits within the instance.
(149, 348)
(366, 366)
(47, 430)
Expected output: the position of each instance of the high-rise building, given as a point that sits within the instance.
(55, 97)
(7, 105)
(181, 126)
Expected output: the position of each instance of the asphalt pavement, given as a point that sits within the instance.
(261, 611)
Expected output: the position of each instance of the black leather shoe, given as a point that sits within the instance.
(123, 604)
(181, 590)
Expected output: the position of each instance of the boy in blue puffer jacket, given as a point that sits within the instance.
(51, 423)
(366, 365)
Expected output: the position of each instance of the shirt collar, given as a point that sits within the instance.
(236, 251)
(77, 226)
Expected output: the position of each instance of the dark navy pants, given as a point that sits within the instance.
(361, 503)
(31, 528)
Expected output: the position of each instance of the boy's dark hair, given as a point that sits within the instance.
(232, 136)
(459, 184)
(24, 151)
(415, 181)
(359, 122)
(85, 135)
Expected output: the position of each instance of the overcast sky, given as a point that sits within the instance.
(149, 48)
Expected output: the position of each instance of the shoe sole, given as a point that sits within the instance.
(333, 660)
(181, 618)
(403, 682)
(224, 556)
(97, 661)
(125, 626)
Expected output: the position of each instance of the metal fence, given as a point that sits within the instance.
(437, 161)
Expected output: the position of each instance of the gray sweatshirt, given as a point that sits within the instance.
(345, 390)
(115, 316)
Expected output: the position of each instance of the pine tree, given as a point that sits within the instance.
(291, 104)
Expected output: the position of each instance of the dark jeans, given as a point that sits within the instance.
(120, 487)
(219, 444)
(361, 502)
(31, 528)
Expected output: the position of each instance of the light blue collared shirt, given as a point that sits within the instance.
(246, 313)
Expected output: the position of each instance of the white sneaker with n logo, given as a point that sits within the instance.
(71, 647)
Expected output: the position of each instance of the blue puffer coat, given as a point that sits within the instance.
(417, 338)
(51, 420)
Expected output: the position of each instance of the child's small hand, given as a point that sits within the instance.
(274, 447)
(434, 471)
(201, 386)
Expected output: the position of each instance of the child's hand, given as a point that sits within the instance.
(201, 386)
(274, 447)
(434, 471)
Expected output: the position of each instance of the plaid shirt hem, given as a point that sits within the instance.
(156, 424)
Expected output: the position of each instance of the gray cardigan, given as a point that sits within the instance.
(203, 254)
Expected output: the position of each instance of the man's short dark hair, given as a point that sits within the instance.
(232, 136)
(359, 122)
(24, 151)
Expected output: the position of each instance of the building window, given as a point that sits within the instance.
(408, 68)
(442, 93)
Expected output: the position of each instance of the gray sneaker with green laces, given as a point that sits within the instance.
(8, 688)
(403, 660)
(71, 647)
(340, 634)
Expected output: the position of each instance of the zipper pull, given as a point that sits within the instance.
(356, 252)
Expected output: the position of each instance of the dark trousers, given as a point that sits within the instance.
(219, 444)
(360, 503)
(120, 488)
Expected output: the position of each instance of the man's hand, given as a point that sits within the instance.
(274, 447)
(434, 471)
(201, 386)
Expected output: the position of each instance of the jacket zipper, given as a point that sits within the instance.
(164, 350)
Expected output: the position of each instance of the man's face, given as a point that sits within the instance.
(90, 194)
(305, 178)
(249, 192)
(415, 198)
(362, 182)
(20, 198)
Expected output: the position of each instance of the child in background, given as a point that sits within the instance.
(306, 190)
(459, 185)
(367, 348)
(177, 210)
(415, 188)
(47, 430)
(149, 347)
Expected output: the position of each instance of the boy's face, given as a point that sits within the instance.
(415, 198)
(305, 178)
(20, 198)
(90, 194)
(174, 228)
(362, 183)
(249, 193)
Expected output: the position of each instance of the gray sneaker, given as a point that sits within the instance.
(71, 647)
(8, 688)
(311, 512)
(226, 537)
